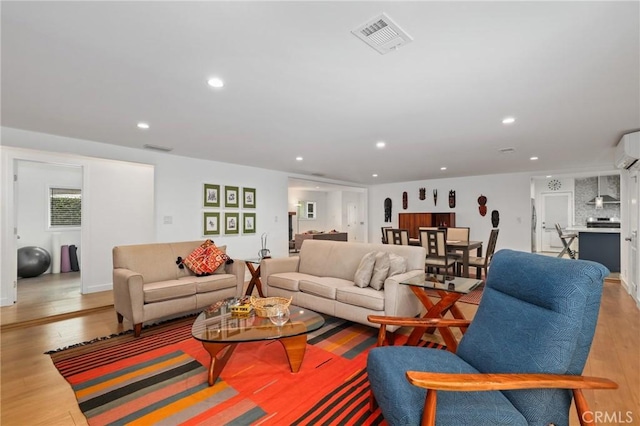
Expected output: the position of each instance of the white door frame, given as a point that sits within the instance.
(631, 238)
(547, 230)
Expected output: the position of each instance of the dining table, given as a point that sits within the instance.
(463, 246)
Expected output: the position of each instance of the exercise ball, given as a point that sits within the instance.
(32, 261)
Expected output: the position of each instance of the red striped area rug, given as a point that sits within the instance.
(160, 379)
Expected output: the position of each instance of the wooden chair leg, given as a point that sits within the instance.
(429, 413)
(584, 415)
(373, 404)
(137, 329)
(120, 317)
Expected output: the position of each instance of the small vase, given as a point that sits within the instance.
(280, 316)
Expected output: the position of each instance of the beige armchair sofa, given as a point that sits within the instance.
(149, 285)
(321, 278)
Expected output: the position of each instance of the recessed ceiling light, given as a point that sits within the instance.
(533, 158)
(508, 120)
(380, 144)
(142, 125)
(298, 158)
(215, 82)
(443, 168)
(548, 176)
(375, 175)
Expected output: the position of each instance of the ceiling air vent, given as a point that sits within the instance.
(157, 147)
(382, 34)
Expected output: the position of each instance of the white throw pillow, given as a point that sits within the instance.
(397, 264)
(380, 270)
(365, 270)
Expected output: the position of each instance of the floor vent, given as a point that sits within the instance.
(382, 34)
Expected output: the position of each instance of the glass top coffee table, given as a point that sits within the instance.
(450, 290)
(220, 331)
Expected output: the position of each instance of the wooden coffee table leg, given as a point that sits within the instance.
(295, 347)
(217, 364)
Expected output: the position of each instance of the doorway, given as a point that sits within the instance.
(556, 208)
(336, 208)
(34, 184)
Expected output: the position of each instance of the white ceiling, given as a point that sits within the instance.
(299, 83)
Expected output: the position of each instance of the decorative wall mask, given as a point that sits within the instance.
(405, 200)
(387, 209)
(482, 200)
(422, 193)
(452, 199)
(495, 218)
(435, 197)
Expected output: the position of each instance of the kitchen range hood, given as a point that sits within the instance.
(605, 199)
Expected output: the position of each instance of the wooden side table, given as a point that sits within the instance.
(255, 275)
(450, 292)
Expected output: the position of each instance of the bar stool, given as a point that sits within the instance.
(566, 239)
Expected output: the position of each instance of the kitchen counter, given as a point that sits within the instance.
(601, 245)
(597, 230)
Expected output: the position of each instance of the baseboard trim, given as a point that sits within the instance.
(53, 318)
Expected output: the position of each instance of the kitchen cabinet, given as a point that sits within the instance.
(599, 245)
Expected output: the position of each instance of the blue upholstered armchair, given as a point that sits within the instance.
(519, 362)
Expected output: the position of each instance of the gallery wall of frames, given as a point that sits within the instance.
(228, 210)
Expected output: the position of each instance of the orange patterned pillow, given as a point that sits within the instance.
(205, 259)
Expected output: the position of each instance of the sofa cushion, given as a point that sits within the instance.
(167, 290)
(155, 262)
(323, 286)
(380, 270)
(364, 272)
(287, 280)
(367, 298)
(397, 264)
(212, 282)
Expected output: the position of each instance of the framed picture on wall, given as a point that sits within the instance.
(211, 223)
(231, 225)
(211, 195)
(231, 196)
(249, 223)
(249, 198)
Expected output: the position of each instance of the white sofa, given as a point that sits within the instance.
(321, 278)
(149, 285)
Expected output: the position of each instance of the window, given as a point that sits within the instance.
(310, 209)
(65, 207)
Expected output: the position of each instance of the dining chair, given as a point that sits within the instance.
(566, 239)
(457, 234)
(398, 236)
(520, 361)
(482, 263)
(384, 234)
(435, 241)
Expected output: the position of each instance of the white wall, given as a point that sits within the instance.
(178, 195)
(320, 223)
(510, 194)
(34, 181)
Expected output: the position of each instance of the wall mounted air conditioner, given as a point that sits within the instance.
(628, 151)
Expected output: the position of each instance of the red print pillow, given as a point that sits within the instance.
(205, 259)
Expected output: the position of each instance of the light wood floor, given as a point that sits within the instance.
(33, 393)
(51, 297)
